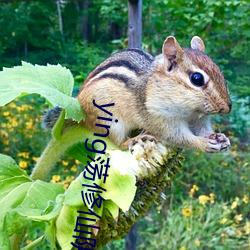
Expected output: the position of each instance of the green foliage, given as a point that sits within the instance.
(198, 224)
(207, 207)
(223, 25)
(81, 58)
(30, 32)
(52, 82)
(19, 198)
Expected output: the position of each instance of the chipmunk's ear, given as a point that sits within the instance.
(171, 49)
(197, 43)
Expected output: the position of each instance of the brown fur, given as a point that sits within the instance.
(156, 95)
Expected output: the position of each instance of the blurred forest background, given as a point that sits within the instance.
(207, 206)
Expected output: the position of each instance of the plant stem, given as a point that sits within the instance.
(57, 147)
(52, 153)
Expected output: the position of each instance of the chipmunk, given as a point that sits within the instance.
(170, 97)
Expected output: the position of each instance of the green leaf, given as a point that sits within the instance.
(112, 207)
(22, 200)
(14, 198)
(50, 233)
(73, 195)
(9, 168)
(4, 240)
(39, 194)
(53, 82)
(14, 223)
(65, 225)
(120, 189)
(6, 186)
(46, 216)
(79, 152)
(8, 220)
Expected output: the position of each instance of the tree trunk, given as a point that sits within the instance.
(85, 23)
(135, 23)
(131, 238)
(59, 16)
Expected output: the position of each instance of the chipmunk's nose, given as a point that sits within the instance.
(227, 108)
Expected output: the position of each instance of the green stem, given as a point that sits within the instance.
(52, 153)
(57, 146)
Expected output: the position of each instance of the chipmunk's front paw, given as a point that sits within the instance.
(141, 139)
(217, 142)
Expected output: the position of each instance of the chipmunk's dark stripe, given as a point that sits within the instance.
(118, 63)
(118, 77)
(142, 53)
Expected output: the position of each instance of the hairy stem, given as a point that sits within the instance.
(52, 153)
(57, 146)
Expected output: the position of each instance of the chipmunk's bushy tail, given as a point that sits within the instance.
(50, 117)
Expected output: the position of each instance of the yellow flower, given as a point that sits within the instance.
(55, 178)
(24, 154)
(70, 178)
(23, 164)
(238, 218)
(235, 203)
(197, 242)
(65, 163)
(224, 164)
(29, 124)
(23, 107)
(35, 159)
(4, 134)
(6, 141)
(193, 190)
(223, 220)
(65, 185)
(245, 199)
(183, 248)
(211, 195)
(247, 227)
(12, 105)
(234, 152)
(223, 235)
(73, 168)
(203, 199)
(6, 113)
(238, 233)
(187, 211)
(14, 123)
(77, 162)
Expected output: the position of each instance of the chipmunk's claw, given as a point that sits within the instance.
(218, 142)
(141, 139)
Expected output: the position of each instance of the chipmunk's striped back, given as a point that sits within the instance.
(169, 96)
(124, 66)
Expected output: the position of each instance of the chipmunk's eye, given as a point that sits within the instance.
(197, 79)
